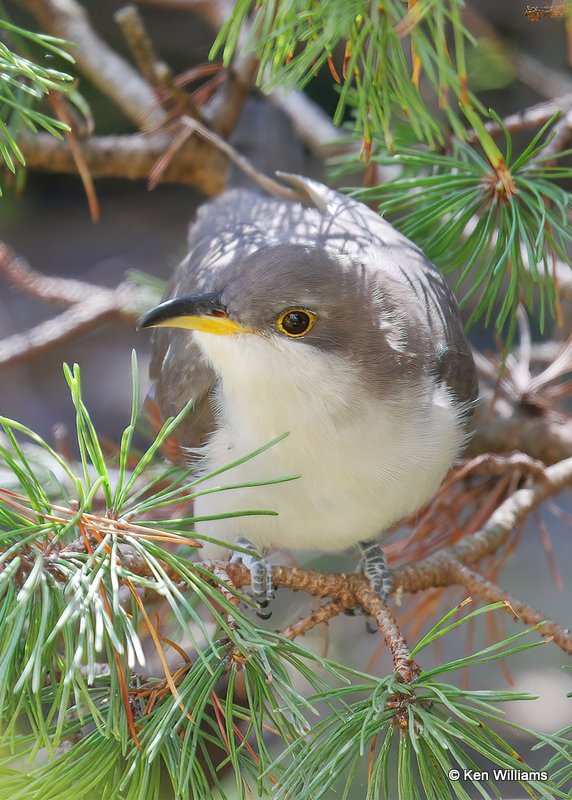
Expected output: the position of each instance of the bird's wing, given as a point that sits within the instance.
(453, 362)
(181, 374)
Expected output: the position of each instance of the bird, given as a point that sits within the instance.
(309, 315)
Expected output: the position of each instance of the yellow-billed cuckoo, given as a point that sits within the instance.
(318, 318)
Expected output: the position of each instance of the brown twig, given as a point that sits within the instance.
(449, 566)
(475, 584)
(264, 181)
(313, 125)
(322, 615)
(387, 625)
(225, 107)
(172, 98)
(523, 409)
(439, 569)
(63, 291)
(435, 570)
(130, 156)
(506, 427)
(64, 114)
(562, 135)
(533, 117)
(135, 34)
(43, 337)
(492, 464)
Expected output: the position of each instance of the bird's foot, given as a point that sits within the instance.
(374, 567)
(260, 577)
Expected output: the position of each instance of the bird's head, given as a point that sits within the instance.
(291, 293)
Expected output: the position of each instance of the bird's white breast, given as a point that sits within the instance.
(365, 462)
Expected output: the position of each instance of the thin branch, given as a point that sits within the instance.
(71, 323)
(71, 136)
(130, 156)
(435, 570)
(133, 29)
(388, 627)
(492, 464)
(449, 566)
(475, 584)
(63, 291)
(522, 408)
(322, 615)
(174, 100)
(225, 107)
(533, 117)
(562, 135)
(547, 81)
(542, 353)
(264, 181)
(313, 125)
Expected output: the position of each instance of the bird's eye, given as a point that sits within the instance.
(295, 322)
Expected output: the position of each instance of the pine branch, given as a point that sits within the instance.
(489, 593)
(73, 574)
(292, 46)
(499, 220)
(131, 157)
(23, 84)
(150, 104)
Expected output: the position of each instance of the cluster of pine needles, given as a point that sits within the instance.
(129, 669)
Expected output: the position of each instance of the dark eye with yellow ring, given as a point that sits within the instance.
(295, 322)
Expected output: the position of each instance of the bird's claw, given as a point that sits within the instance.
(374, 567)
(260, 577)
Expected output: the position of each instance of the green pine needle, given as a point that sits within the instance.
(293, 40)
(24, 83)
(502, 244)
(251, 713)
(412, 736)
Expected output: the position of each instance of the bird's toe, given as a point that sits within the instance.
(260, 578)
(375, 569)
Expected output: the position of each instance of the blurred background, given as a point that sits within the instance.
(49, 224)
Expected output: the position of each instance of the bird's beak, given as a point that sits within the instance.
(196, 312)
